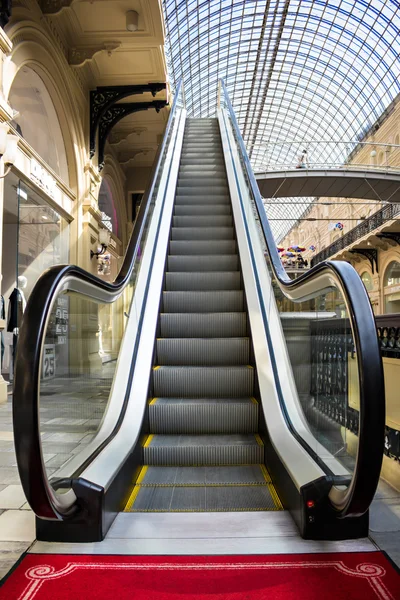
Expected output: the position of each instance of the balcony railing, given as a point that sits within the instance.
(387, 213)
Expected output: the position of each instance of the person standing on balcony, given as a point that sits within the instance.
(302, 160)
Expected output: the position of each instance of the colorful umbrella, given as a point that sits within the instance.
(312, 248)
(288, 254)
(280, 249)
(296, 249)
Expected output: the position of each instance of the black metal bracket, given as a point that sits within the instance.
(103, 98)
(100, 252)
(390, 235)
(371, 254)
(117, 112)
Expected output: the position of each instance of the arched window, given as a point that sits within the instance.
(37, 120)
(391, 287)
(397, 139)
(107, 207)
(367, 281)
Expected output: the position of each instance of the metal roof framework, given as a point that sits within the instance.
(295, 70)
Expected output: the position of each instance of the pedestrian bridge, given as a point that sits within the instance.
(370, 184)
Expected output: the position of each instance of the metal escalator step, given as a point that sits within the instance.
(202, 233)
(224, 262)
(203, 382)
(203, 416)
(202, 198)
(202, 221)
(193, 450)
(200, 189)
(209, 476)
(202, 247)
(198, 158)
(203, 351)
(204, 499)
(203, 281)
(213, 301)
(217, 170)
(188, 210)
(222, 324)
(200, 180)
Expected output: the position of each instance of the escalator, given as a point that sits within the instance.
(207, 400)
(203, 452)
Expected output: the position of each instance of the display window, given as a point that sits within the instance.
(35, 237)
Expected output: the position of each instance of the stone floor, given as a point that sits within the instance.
(70, 417)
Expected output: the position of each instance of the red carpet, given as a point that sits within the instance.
(279, 577)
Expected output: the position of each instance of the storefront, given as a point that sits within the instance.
(35, 237)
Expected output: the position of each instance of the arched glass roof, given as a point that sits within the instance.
(296, 70)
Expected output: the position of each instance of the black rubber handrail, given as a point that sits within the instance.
(26, 416)
(361, 490)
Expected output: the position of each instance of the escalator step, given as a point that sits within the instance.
(223, 324)
(201, 382)
(204, 281)
(199, 450)
(201, 197)
(215, 301)
(224, 262)
(198, 247)
(202, 233)
(187, 210)
(204, 499)
(203, 351)
(202, 221)
(203, 416)
(188, 476)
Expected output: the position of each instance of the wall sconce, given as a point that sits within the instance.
(104, 240)
(132, 20)
(8, 148)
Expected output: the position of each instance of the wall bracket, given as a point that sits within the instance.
(105, 97)
(371, 254)
(117, 112)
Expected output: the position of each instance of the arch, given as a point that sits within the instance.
(114, 182)
(391, 286)
(33, 49)
(37, 120)
(366, 278)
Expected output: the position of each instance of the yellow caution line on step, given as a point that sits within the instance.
(156, 368)
(265, 474)
(275, 497)
(136, 490)
(148, 440)
(153, 401)
(254, 401)
(258, 440)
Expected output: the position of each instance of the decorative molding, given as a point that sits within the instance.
(124, 162)
(79, 56)
(5, 42)
(122, 136)
(52, 7)
(371, 254)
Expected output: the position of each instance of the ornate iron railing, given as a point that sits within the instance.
(387, 213)
(330, 354)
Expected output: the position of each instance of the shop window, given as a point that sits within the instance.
(366, 278)
(391, 287)
(35, 237)
(107, 207)
(37, 121)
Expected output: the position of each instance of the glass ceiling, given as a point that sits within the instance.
(296, 70)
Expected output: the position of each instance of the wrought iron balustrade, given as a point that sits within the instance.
(331, 350)
(387, 213)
